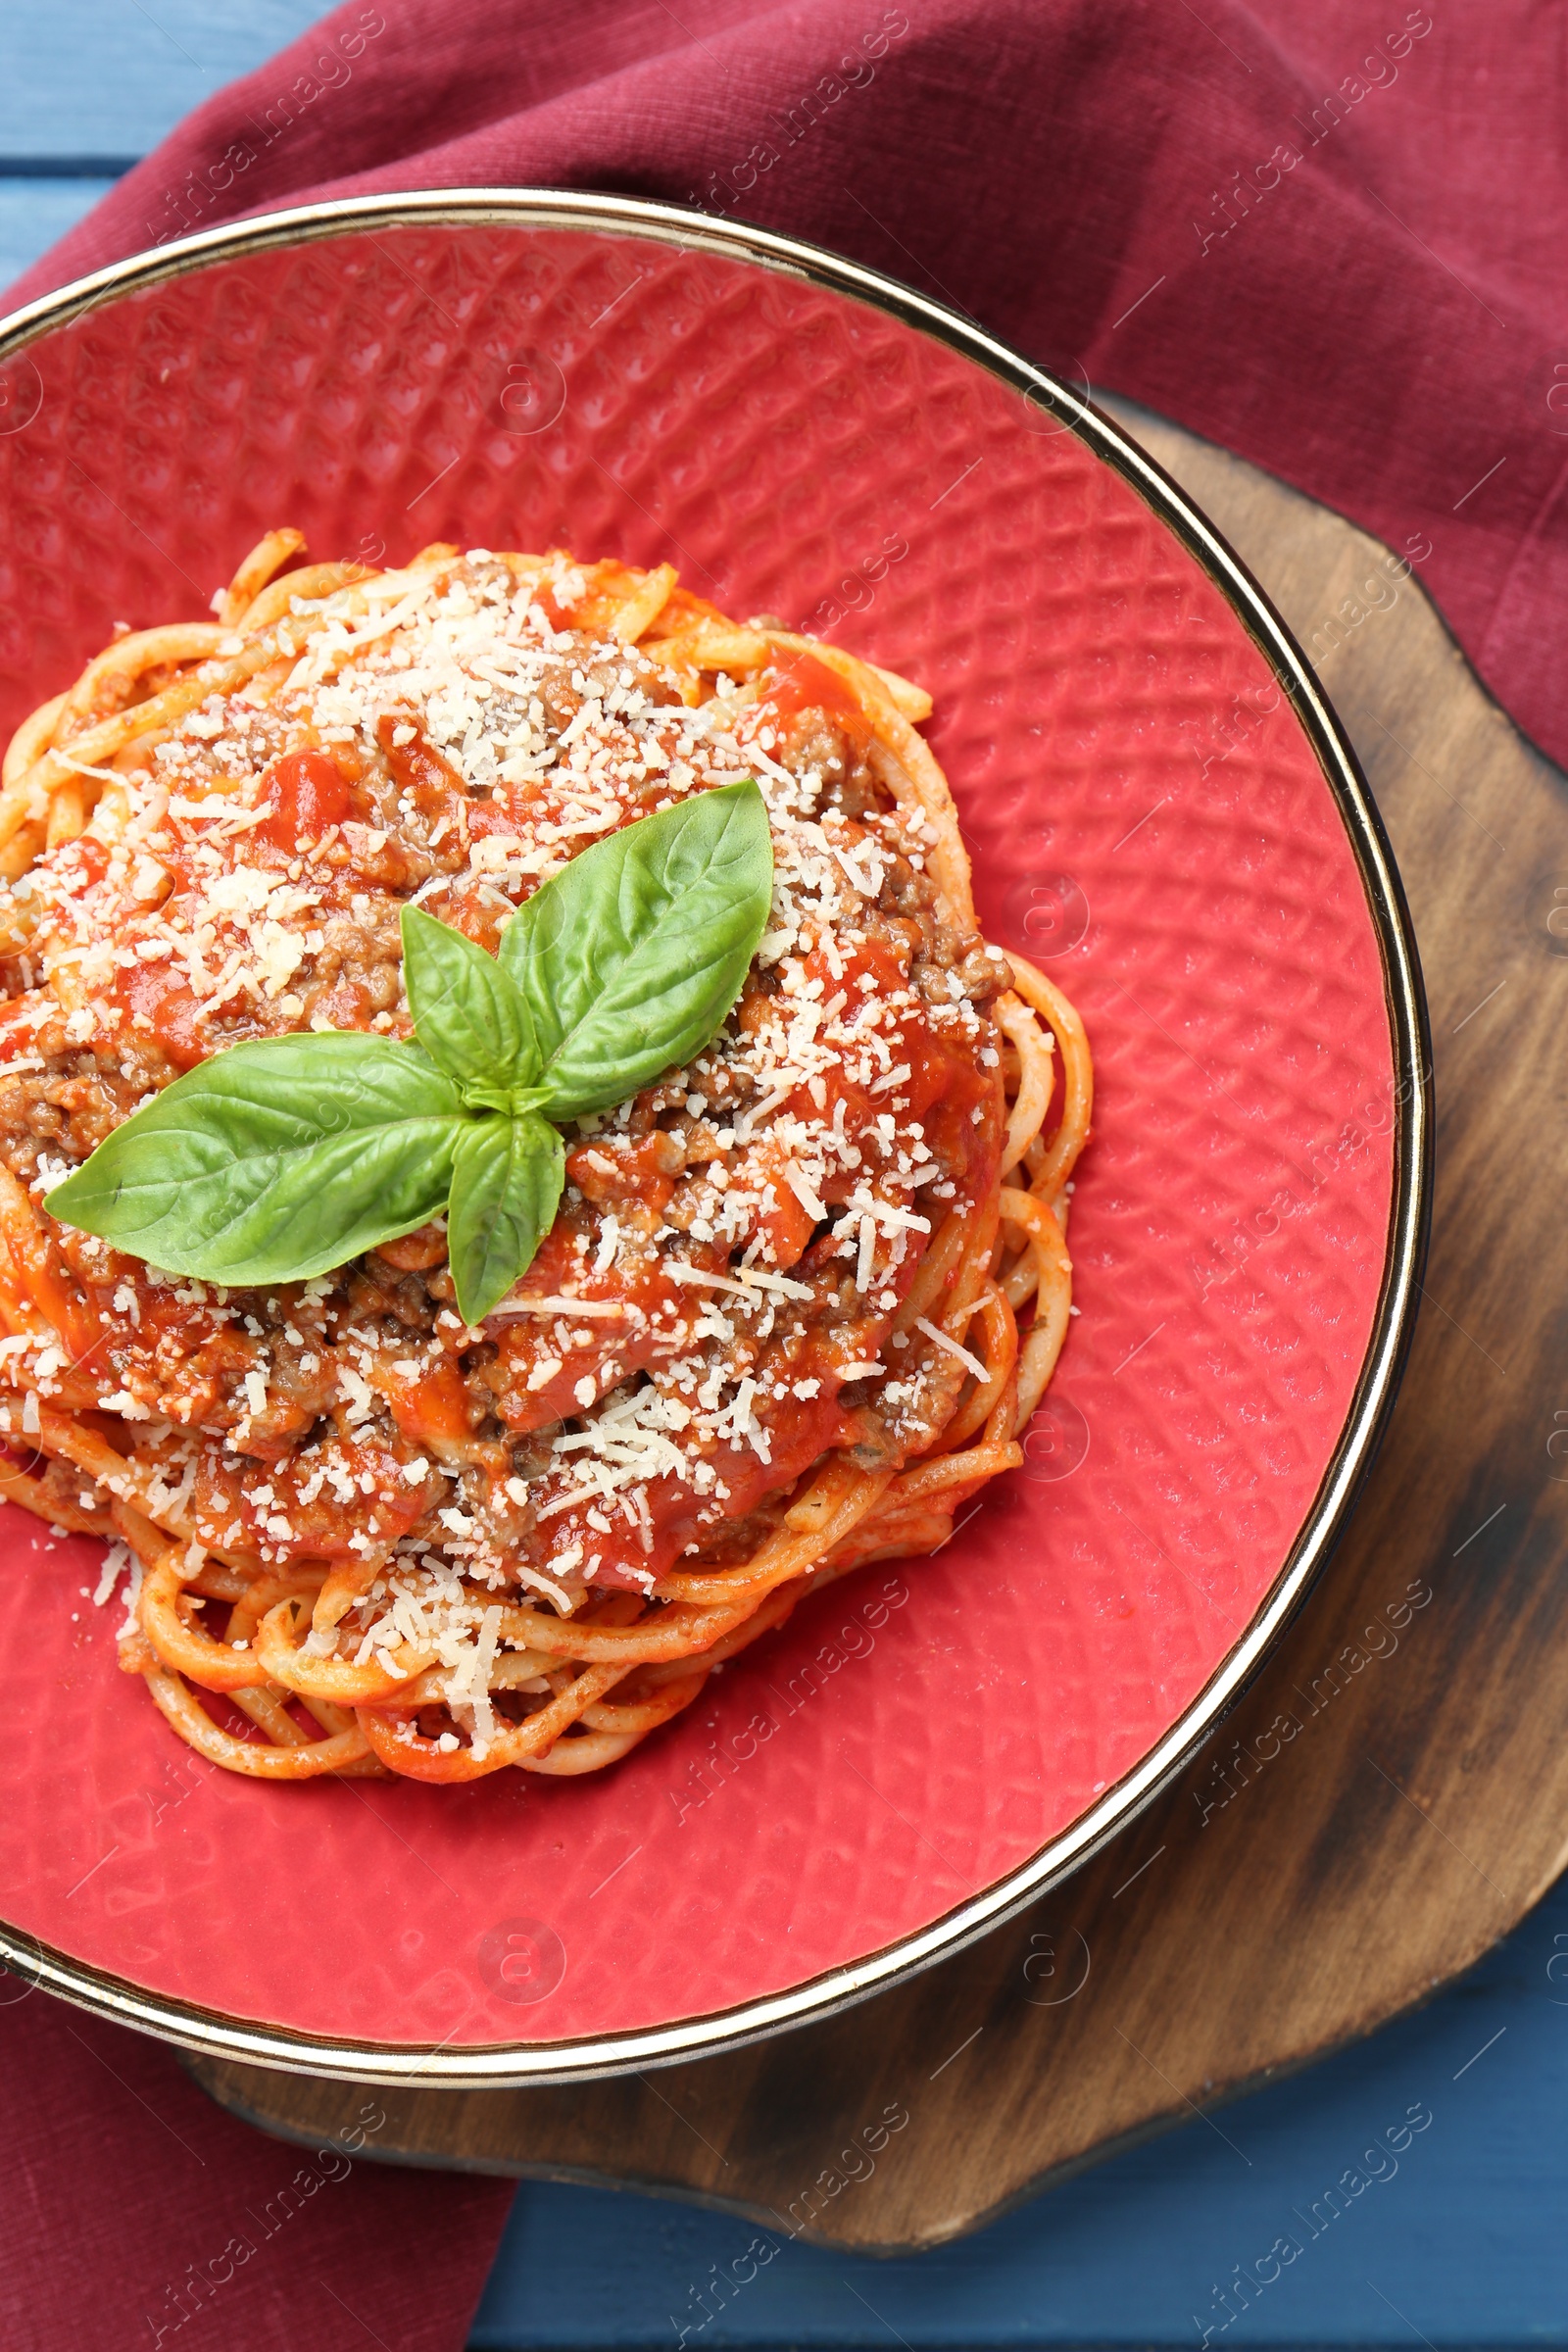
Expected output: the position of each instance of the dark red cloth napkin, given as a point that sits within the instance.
(1328, 236)
(137, 2217)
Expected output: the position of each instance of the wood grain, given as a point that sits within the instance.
(1393, 1794)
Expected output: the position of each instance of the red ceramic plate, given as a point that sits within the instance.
(1160, 808)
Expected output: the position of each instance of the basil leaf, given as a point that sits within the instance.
(280, 1159)
(471, 1018)
(275, 1160)
(506, 1185)
(630, 958)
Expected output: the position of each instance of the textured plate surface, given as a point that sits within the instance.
(1147, 817)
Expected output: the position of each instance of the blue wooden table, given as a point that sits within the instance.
(1457, 2238)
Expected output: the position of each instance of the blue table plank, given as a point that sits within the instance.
(91, 85)
(1459, 2242)
(110, 77)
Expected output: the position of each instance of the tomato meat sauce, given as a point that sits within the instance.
(718, 1307)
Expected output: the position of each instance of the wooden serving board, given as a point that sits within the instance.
(1392, 1793)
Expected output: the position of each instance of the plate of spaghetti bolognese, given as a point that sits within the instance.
(713, 1135)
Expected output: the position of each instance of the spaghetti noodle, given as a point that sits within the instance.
(801, 1297)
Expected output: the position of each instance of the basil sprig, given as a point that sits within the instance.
(284, 1157)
